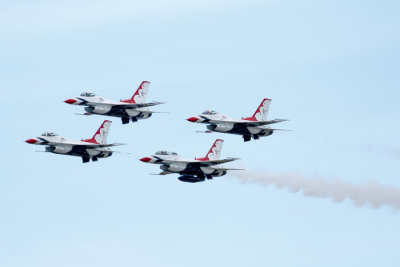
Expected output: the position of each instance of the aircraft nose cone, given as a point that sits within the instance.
(145, 159)
(192, 119)
(70, 101)
(31, 141)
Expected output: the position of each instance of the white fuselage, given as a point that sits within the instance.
(225, 124)
(102, 106)
(125, 109)
(185, 166)
(61, 145)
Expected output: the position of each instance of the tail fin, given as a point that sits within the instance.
(261, 112)
(100, 137)
(215, 151)
(141, 93)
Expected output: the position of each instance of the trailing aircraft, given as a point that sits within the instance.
(192, 170)
(250, 127)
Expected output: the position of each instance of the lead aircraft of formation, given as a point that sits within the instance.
(93, 148)
(192, 170)
(133, 109)
(251, 127)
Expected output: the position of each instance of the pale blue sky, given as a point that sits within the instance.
(331, 67)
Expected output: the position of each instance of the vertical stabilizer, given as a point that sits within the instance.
(141, 93)
(215, 151)
(261, 112)
(100, 137)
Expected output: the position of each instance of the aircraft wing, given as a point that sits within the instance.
(101, 145)
(81, 144)
(216, 161)
(127, 105)
(201, 163)
(139, 105)
(251, 123)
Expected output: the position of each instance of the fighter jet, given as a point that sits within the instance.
(192, 171)
(130, 109)
(93, 148)
(251, 127)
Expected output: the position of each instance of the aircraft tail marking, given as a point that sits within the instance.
(140, 95)
(261, 112)
(100, 137)
(214, 152)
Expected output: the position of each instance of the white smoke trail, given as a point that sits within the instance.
(370, 193)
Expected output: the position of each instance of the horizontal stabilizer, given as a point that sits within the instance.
(279, 120)
(84, 114)
(161, 173)
(204, 132)
(281, 130)
(117, 144)
(229, 169)
(150, 111)
(157, 103)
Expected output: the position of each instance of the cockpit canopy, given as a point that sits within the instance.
(163, 152)
(49, 134)
(87, 94)
(209, 112)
